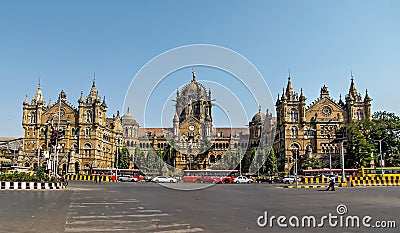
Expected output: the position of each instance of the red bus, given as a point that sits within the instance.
(113, 172)
(326, 172)
(209, 176)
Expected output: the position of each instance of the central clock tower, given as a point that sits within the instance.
(192, 122)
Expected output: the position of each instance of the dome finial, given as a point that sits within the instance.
(193, 75)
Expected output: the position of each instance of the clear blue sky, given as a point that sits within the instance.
(65, 42)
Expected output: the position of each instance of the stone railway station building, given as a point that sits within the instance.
(193, 142)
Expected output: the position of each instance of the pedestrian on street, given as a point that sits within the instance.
(331, 184)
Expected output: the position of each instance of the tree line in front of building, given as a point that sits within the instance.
(366, 142)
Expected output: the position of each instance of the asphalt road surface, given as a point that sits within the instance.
(148, 207)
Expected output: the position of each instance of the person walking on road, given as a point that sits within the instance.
(331, 184)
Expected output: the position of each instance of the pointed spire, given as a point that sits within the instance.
(26, 101)
(284, 97)
(302, 97)
(193, 75)
(367, 98)
(49, 104)
(94, 79)
(94, 94)
(176, 118)
(289, 88)
(128, 108)
(259, 108)
(353, 90)
(39, 96)
(104, 105)
(80, 100)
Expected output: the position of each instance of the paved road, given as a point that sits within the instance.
(147, 207)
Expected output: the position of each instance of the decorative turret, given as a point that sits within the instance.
(93, 96)
(26, 102)
(341, 101)
(367, 99)
(80, 100)
(284, 96)
(104, 104)
(289, 89)
(49, 104)
(302, 97)
(38, 99)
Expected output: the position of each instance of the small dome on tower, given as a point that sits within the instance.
(129, 119)
(259, 117)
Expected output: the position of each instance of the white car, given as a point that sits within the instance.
(290, 179)
(127, 179)
(163, 179)
(242, 179)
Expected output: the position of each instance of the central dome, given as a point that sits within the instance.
(194, 90)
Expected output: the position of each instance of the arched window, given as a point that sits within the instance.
(43, 132)
(32, 117)
(88, 116)
(87, 148)
(212, 159)
(359, 114)
(87, 132)
(293, 115)
(294, 132)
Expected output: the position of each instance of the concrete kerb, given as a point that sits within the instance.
(9, 185)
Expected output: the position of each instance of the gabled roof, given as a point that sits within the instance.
(320, 100)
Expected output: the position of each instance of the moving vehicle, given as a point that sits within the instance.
(209, 176)
(290, 179)
(385, 171)
(242, 179)
(114, 173)
(127, 178)
(163, 179)
(312, 173)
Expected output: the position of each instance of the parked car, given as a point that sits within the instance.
(263, 180)
(163, 179)
(290, 179)
(242, 179)
(276, 180)
(127, 179)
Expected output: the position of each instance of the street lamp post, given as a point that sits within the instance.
(296, 153)
(342, 153)
(380, 154)
(240, 161)
(330, 155)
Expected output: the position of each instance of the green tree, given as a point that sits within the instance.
(358, 149)
(385, 128)
(271, 166)
(257, 161)
(312, 163)
(123, 158)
